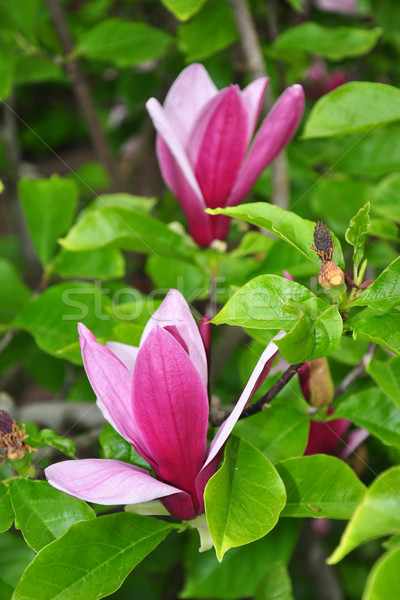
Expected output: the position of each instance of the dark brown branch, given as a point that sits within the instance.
(357, 372)
(82, 91)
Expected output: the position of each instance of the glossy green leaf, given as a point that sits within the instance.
(15, 556)
(128, 229)
(384, 293)
(244, 498)
(122, 42)
(381, 329)
(92, 559)
(353, 107)
(53, 316)
(47, 437)
(6, 510)
(320, 486)
(116, 447)
(378, 514)
(14, 294)
(387, 376)
(384, 578)
(335, 43)
(357, 233)
(280, 431)
(43, 513)
(210, 31)
(373, 410)
(276, 584)
(49, 207)
(103, 264)
(183, 9)
(386, 200)
(188, 278)
(286, 225)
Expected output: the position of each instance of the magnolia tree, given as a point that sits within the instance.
(199, 300)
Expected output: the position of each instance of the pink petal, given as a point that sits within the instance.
(218, 145)
(171, 408)
(112, 384)
(175, 312)
(353, 441)
(205, 333)
(191, 201)
(275, 132)
(260, 370)
(192, 89)
(253, 97)
(325, 436)
(106, 481)
(126, 354)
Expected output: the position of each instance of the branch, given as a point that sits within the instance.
(82, 91)
(357, 372)
(254, 64)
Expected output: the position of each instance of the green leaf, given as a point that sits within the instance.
(357, 232)
(296, 4)
(123, 43)
(14, 294)
(6, 74)
(286, 225)
(43, 514)
(386, 198)
(373, 410)
(272, 302)
(276, 584)
(335, 43)
(53, 316)
(121, 200)
(210, 31)
(15, 556)
(377, 515)
(244, 498)
(353, 107)
(47, 437)
(380, 329)
(127, 229)
(92, 559)
(6, 510)
(387, 376)
(36, 69)
(320, 486)
(279, 432)
(103, 264)
(188, 278)
(382, 228)
(387, 14)
(116, 447)
(383, 581)
(49, 207)
(384, 293)
(183, 9)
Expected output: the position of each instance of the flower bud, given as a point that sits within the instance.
(330, 275)
(12, 439)
(316, 382)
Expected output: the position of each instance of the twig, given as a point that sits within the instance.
(357, 372)
(256, 67)
(82, 91)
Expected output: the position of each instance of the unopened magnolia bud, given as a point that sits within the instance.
(330, 275)
(316, 382)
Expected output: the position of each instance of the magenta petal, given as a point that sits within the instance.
(218, 145)
(126, 354)
(106, 481)
(171, 409)
(253, 96)
(325, 436)
(353, 441)
(175, 312)
(192, 89)
(275, 132)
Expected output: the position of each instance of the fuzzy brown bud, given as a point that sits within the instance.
(324, 246)
(330, 275)
(12, 438)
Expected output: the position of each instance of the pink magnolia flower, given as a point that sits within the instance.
(320, 81)
(203, 143)
(155, 396)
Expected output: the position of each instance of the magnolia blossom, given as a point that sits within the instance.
(204, 143)
(155, 396)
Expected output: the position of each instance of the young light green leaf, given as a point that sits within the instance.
(338, 113)
(384, 293)
(380, 329)
(373, 410)
(14, 294)
(383, 581)
(320, 486)
(123, 43)
(387, 376)
(183, 9)
(49, 207)
(92, 559)
(378, 514)
(244, 498)
(335, 43)
(356, 234)
(47, 437)
(103, 264)
(43, 513)
(285, 224)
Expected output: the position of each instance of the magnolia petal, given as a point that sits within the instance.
(260, 370)
(171, 409)
(191, 90)
(275, 132)
(218, 145)
(106, 481)
(325, 436)
(126, 353)
(353, 441)
(175, 312)
(253, 97)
